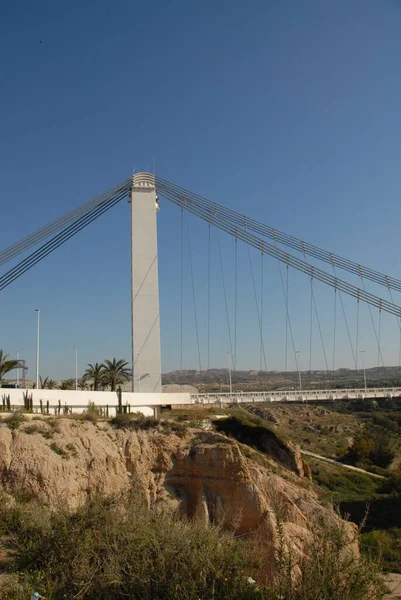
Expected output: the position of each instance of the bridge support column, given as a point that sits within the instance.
(146, 373)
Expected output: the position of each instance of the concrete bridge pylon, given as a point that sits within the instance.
(146, 359)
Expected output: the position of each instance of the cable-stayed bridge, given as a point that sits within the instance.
(348, 281)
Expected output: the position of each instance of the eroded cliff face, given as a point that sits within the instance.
(203, 474)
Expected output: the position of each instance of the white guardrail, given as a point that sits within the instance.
(296, 395)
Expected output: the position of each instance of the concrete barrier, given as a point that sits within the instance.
(78, 401)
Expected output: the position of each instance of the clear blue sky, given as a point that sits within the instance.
(286, 111)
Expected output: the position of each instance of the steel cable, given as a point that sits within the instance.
(257, 305)
(334, 328)
(58, 224)
(261, 311)
(320, 332)
(286, 321)
(225, 292)
(286, 239)
(373, 324)
(357, 334)
(235, 302)
(275, 252)
(194, 299)
(346, 322)
(288, 318)
(310, 327)
(379, 354)
(181, 286)
(208, 298)
(39, 254)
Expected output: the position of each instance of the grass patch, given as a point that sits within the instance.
(34, 428)
(58, 450)
(341, 485)
(384, 545)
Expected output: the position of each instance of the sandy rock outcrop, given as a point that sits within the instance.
(203, 474)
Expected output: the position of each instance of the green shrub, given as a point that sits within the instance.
(176, 427)
(92, 413)
(370, 447)
(34, 428)
(59, 450)
(118, 549)
(392, 485)
(342, 484)
(134, 421)
(385, 546)
(15, 420)
(333, 573)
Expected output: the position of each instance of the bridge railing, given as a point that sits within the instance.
(239, 397)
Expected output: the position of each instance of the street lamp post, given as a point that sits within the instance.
(229, 372)
(76, 368)
(363, 367)
(297, 353)
(37, 310)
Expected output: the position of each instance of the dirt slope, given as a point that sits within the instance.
(203, 474)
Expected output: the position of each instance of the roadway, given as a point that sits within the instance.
(339, 464)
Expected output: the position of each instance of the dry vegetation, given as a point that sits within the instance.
(118, 549)
(314, 428)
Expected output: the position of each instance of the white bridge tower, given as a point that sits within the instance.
(146, 361)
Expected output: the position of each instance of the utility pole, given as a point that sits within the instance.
(37, 310)
(363, 367)
(18, 369)
(297, 353)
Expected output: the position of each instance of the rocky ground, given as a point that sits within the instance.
(185, 464)
(202, 473)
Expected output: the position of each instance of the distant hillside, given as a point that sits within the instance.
(218, 379)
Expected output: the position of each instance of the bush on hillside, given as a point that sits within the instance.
(384, 545)
(134, 421)
(370, 447)
(342, 484)
(15, 420)
(117, 548)
(328, 570)
(392, 485)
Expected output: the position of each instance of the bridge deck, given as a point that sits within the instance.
(297, 395)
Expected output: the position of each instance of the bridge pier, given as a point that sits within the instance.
(146, 361)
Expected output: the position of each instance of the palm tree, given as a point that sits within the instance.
(83, 383)
(47, 383)
(67, 384)
(95, 374)
(115, 372)
(7, 364)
